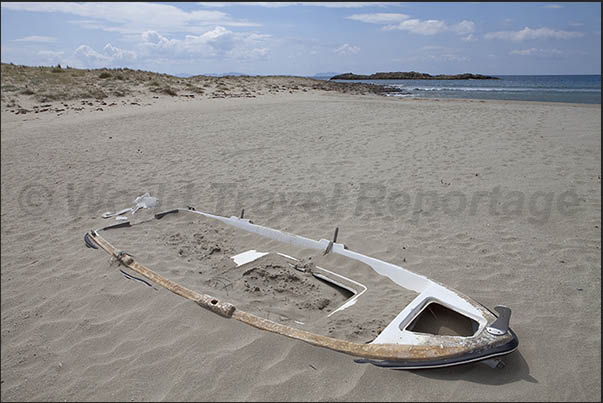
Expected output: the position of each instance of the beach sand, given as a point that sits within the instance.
(499, 200)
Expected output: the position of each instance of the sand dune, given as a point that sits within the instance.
(500, 200)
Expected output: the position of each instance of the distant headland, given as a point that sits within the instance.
(411, 75)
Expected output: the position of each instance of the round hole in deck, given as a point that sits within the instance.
(214, 301)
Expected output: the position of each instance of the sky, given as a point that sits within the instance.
(307, 38)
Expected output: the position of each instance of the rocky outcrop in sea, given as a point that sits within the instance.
(412, 75)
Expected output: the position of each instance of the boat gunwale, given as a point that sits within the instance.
(442, 350)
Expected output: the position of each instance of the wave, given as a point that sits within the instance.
(493, 89)
(400, 94)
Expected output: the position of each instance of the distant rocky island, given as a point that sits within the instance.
(411, 75)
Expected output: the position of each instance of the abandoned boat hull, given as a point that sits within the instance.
(403, 344)
(467, 358)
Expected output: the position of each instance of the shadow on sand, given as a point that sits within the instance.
(516, 369)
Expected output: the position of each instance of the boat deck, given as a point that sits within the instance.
(331, 294)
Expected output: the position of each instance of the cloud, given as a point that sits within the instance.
(117, 54)
(464, 27)
(110, 56)
(379, 18)
(552, 6)
(535, 52)
(218, 42)
(276, 4)
(415, 26)
(346, 50)
(547, 53)
(529, 33)
(403, 22)
(133, 17)
(153, 37)
(433, 27)
(36, 38)
(90, 57)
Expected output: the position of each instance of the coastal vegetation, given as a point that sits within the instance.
(56, 83)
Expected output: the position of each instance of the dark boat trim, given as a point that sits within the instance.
(498, 351)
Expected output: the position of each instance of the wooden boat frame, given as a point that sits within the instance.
(396, 346)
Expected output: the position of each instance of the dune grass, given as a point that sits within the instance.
(56, 83)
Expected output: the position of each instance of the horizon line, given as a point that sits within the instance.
(279, 74)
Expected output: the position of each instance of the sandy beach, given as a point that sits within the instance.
(500, 200)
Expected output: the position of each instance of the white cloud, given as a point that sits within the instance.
(275, 4)
(90, 57)
(36, 38)
(379, 18)
(415, 26)
(347, 49)
(153, 37)
(552, 6)
(529, 33)
(546, 52)
(527, 52)
(134, 17)
(218, 42)
(464, 27)
(432, 27)
(111, 56)
(117, 54)
(403, 22)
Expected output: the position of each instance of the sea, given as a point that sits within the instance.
(582, 89)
